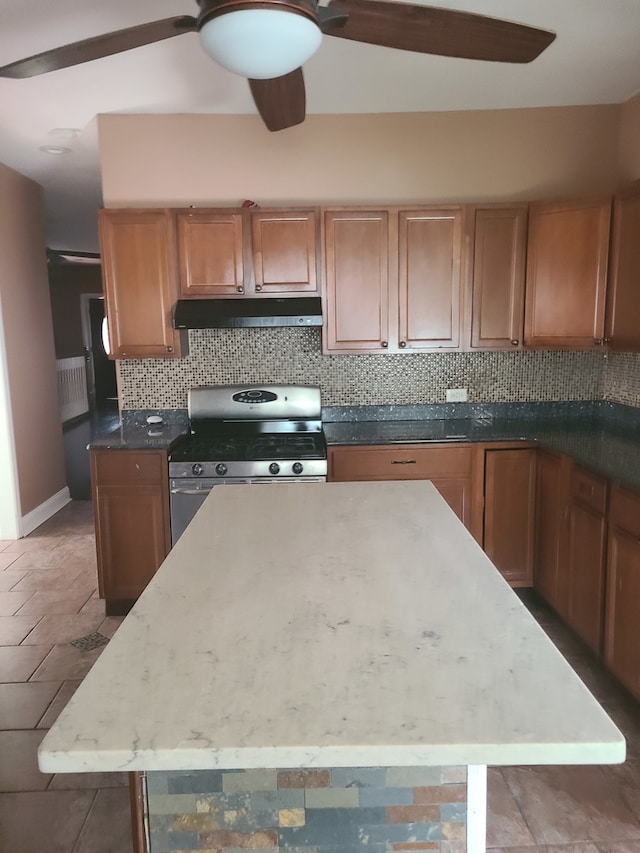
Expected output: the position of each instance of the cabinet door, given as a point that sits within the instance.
(566, 274)
(430, 278)
(357, 281)
(131, 504)
(211, 253)
(284, 248)
(552, 506)
(509, 513)
(140, 283)
(622, 616)
(499, 246)
(586, 556)
(623, 292)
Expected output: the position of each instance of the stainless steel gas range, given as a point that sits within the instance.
(245, 434)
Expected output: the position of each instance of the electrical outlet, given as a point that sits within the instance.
(456, 395)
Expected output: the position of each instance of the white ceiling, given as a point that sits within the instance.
(595, 59)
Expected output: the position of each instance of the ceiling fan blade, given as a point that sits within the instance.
(281, 101)
(99, 46)
(444, 32)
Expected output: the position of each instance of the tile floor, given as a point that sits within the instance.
(48, 599)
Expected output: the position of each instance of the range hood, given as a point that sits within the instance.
(245, 313)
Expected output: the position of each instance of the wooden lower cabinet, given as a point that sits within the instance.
(622, 613)
(509, 512)
(585, 556)
(450, 469)
(131, 506)
(552, 492)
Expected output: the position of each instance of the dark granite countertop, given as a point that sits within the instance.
(603, 437)
(133, 432)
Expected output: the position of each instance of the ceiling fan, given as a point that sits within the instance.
(268, 41)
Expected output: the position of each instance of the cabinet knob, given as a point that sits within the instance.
(403, 344)
(240, 288)
(598, 342)
(258, 287)
(169, 349)
(384, 344)
(515, 342)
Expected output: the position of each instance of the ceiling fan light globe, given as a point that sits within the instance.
(260, 43)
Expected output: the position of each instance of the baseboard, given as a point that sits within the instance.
(43, 512)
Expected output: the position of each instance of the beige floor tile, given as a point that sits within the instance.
(18, 663)
(54, 602)
(41, 580)
(618, 847)
(94, 607)
(505, 824)
(65, 663)
(625, 779)
(59, 815)
(7, 559)
(586, 847)
(56, 630)
(40, 559)
(19, 765)
(109, 818)
(32, 543)
(62, 697)
(9, 578)
(564, 805)
(13, 629)
(110, 625)
(11, 602)
(23, 705)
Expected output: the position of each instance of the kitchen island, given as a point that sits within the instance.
(326, 667)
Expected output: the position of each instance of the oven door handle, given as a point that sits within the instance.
(201, 491)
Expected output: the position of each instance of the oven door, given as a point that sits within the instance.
(186, 496)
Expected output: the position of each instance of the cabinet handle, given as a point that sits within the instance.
(598, 342)
(403, 462)
(384, 344)
(515, 342)
(258, 287)
(240, 288)
(403, 344)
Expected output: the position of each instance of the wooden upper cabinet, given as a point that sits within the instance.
(393, 279)
(623, 292)
(139, 270)
(285, 251)
(211, 251)
(356, 280)
(430, 278)
(499, 236)
(225, 253)
(567, 273)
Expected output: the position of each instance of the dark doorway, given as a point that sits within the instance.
(105, 392)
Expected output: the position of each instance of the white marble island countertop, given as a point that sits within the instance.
(317, 625)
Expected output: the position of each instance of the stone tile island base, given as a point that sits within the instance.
(327, 810)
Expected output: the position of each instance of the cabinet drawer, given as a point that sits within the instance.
(399, 462)
(115, 467)
(625, 510)
(589, 489)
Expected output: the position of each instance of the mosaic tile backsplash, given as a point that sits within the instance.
(223, 356)
(333, 810)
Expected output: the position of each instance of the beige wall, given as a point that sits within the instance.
(629, 151)
(489, 155)
(28, 337)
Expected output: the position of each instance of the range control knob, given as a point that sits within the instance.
(221, 469)
(196, 469)
(274, 468)
(297, 468)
